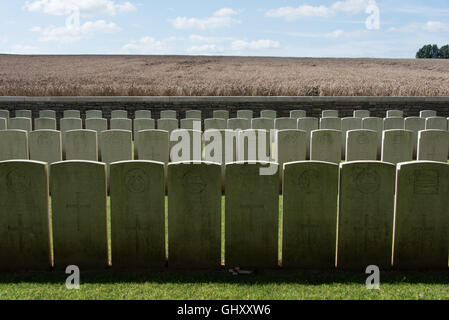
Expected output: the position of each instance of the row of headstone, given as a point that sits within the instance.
(376, 208)
(290, 145)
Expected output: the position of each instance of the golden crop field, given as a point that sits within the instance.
(219, 76)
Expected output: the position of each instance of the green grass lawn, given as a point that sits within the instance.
(220, 284)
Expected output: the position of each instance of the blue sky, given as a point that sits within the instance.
(324, 28)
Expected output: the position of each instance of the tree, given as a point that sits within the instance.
(444, 52)
(433, 52)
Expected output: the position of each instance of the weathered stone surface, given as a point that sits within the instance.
(296, 114)
(45, 146)
(329, 114)
(421, 221)
(143, 124)
(290, 146)
(395, 113)
(194, 215)
(45, 124)
(116, 145)
(397, 146)
(309, 215)
(20, 124)
(394, 123)
(97, 124)
(361, 145)
(94, 114)
(346, 125)
(3, 124)
(168, 125)
(119, 114)
(245, 114)
(271, 114)
(23, 114)
(152, 145)
(47, 114)
(81, 145)
(251, 146)
(415, 124)
(68, 124)
(239, 124)
(13, 145)
(433, 145)
(24, 217)
(285, 124)
(262, 123)
(427, 114)
(186, 145)
(326, 146)
(4, 114)
(143, 114)
(78, 190)
(72, 114)
(121, 124)
(191, 124)
(330, 123)
(168, 114)
(436, 123)
(366, 215)
(252, 217)
(221, 114)
(138, 214)
(375, 124)
(362, 114)
(308, 125)
(193, 114)
(215, 123)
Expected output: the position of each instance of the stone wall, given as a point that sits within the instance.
(314, 105)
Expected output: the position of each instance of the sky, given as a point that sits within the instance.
(284, 28)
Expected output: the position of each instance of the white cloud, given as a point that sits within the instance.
(430, 26)
(347, 6)
(335, 34)
(86, 7)
(200, 39)
(69, 34)
(224, 17)
(241, 45)
(24, 49)
(205, 49)
(436, 26)
(148, 45)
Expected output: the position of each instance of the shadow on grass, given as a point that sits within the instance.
(260, 277)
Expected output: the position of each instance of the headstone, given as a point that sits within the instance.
(4, 114)
(422, 199)
(191, 124)
(296, 114)
(309, 215)
(45, 146)
(285, 124)
(168, 125)
(116, 145)
(3, 124)
(251, 145)
(68, 124)
(397, 146)
(394, 123)
(47, 114)
(415, 124)
(346, 125)
(168, 114)
(20, 124)
(262, 123)
(72, 114)
(375, 124)
(366, 214)
(245, 114)
(271, 114)
(81, 145)
(143, 124)
(436, 123)
(92, 114)
(362, 114)
(119, 114)
(24, 219)
(79, 198)
(143, 114)
(427, 114)
(330, 123)
(193, 114)
(361, 145)
(194, 195)
(138, 214)
(152, 145)
(395, 113)
(13, 145)
(186, 145)
(290, 146)
(308, 125)
(44, 124)
(239, 124)
(326, 146)
(433, 145)
(97, 124)
(23, 114)
(221, 114)
(252, 217)
(215, 123)
(121, 124)
(329, 114)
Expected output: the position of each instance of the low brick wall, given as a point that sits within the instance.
(314, 105)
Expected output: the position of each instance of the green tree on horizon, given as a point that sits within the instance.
(433, 52)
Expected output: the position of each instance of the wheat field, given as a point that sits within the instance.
(219, 76)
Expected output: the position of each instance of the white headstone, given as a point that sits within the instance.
(397, 146)
(290, 146)
(97, 124)
(4, 114)
(329, 114)
(245, 114)
(285, 124)
(116, 145)
(44, 124)
(143, 114)
(362, 114)
(296, 114)
(262, 123)
(221, 114)
(81, 145)
(119, 114)
(253, 145)
(168, 114)
(193, 114)
(415, 124)
(433, 145)
(239, 124)
(330, 123)
(68, 124)
(23, 114)
(45, 146)
(326, 146)
(395, 114)
(427, 114)
(13, 145)
(191, 124)
(94, 114)
(121, 124)
(152, 145)
(187, 145)
(215, 123)
(346, 125)
(20, 124)
(375, 124)
(143, 124)
(436, 123)
(394, 123)
(3, 124)
(72, 114)
(308, 125)
(168, 124)
(271, 114)
(361, 145)
(47, 114)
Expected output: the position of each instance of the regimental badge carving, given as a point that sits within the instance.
(17, 181)
(368, 181)
(193, 182)
(136, 181)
